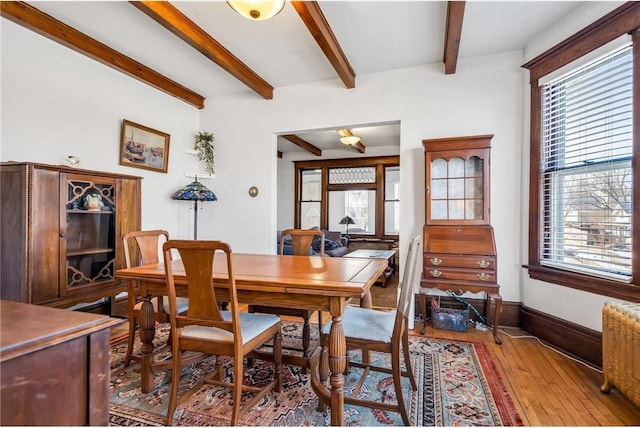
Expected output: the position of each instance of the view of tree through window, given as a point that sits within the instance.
(360, 206)
(586, 177)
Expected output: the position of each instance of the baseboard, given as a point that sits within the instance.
(576, 340)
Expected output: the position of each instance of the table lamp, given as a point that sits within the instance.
(194, 191)
(347, 221)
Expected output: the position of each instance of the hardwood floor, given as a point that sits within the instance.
(548, 389)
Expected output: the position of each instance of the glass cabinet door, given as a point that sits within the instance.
(457, 189)
(457, 181)
(88, 232)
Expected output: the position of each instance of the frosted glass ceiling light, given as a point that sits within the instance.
(257, 10)
(350, 141)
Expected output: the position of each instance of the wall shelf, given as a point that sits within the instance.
(192, 174)
(203, 176)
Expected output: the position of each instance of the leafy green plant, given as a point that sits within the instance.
(204, 147)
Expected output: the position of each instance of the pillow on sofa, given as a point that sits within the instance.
(334, 236)
(328, 244)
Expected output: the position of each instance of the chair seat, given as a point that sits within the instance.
(366, 324)
(183, 305)
(251, 325)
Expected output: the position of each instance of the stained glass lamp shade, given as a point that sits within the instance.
(195, 192)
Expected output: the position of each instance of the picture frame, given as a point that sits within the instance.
(144, 147)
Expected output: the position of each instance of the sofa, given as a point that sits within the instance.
(335, 245)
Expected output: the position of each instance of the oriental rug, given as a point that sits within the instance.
(458, 384)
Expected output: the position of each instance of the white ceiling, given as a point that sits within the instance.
(374, 35)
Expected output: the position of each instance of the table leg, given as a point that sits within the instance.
(337, 361)
(147, 333)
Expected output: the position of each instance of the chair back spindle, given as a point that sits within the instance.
(146, 244)
(302, 241)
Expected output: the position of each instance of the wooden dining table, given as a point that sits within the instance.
(310, 282)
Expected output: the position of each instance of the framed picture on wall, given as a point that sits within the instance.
(144, 147)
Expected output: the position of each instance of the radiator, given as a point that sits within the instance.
(621, 349)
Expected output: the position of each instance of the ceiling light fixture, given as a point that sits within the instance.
(348, 138)
(257, 10)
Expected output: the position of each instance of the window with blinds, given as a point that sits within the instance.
(586, 176)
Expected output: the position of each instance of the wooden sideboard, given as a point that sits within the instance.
(54, 366)
(56, 250)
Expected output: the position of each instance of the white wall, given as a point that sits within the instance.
(56, 102)
(572, 305)
(483, 97)
(75, 106)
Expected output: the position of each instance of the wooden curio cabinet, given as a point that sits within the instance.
(457, 180)
(62, 230)
(459, 244)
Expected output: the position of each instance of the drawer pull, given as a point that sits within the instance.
(435, 273)
(483, 276)
(436, 261)
(483, 264)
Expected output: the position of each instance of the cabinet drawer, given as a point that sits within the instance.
(440, 274)
(468, 262)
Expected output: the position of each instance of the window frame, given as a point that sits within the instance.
(380, 163)
(620, 21)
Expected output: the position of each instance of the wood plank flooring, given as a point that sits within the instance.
(548, 389)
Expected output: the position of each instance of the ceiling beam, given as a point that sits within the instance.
(49, 27)
(303, 144)
(453, 31)
(359, 147)
(315, 21)
(167, 15)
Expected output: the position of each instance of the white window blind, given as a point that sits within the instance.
(586, 177)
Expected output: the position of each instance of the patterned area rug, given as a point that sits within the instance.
(458, 384)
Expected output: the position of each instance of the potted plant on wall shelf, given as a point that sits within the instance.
(205, 150)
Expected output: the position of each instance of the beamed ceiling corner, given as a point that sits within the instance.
(172, 19)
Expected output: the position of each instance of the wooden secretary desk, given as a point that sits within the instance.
(459, 244)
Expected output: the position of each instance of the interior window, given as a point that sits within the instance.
(364, 191)
(310, 198)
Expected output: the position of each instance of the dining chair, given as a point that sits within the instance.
(207, 329)
(379, 331)
(146, 245)
(301, 242)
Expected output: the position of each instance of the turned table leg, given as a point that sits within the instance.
(337, 361)
(147, 333)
